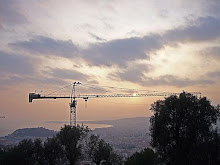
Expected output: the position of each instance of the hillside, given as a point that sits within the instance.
(26, 133)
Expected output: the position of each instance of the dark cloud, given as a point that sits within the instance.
(170, 80)
(18, 69)
(9, 14)
(203, 29)
(117, 52)
(47, 46)
(97, 37)
(15, 69)
(122, 51)
(15, 64)
(36, 80)
(133, 74)
(215, 74)
(165, 80)
(69, 74)
(212, 52)
(214, 7)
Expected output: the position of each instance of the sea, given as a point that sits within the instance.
(9, 127)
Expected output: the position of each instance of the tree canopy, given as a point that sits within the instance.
(182, 130)
(100, 151)
(69, 138)
(145, 157)
(68, 146)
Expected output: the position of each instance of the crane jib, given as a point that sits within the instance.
(86, 97)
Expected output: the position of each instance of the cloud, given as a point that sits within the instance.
(212, 52)
(9, 14)
(203, 29)
(97, 37)
(133, 74)
(214, 7)
(215, 74)
(15, 64)
(15, 69)
(47, 46)
(118, 52)
(69, 74)
(138, 77)
(170, 80)
(121, 52)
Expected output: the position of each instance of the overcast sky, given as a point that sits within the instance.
(156, 45)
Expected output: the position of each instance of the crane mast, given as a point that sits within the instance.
(73, 98)
(72, 104)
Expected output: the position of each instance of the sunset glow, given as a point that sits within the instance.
(111, 47)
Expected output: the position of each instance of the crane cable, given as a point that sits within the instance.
(60, 89)
(87, 86)
(118, 88)
(111, 87)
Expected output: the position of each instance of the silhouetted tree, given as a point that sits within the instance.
(38, 150)
(69, 138)
(99, 150)
(21, 153)
(52, 151)
(145, 157)
(182, 130)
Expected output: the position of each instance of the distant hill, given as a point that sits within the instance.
(26, 133)
(34, 132)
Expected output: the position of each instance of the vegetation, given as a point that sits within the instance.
(69, 138)
(52, 152)
(64, 148)
(182, 130)
(145, 157)
(100, 151)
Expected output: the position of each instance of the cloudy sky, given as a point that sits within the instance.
(140, 46)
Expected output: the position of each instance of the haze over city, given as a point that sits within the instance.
(142, 47)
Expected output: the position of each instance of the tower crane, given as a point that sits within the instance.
(73, 98)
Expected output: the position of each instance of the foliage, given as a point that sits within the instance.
(20, 154)
(100, 151)
(182, 130)
(145, 157)
(55, 150)
(69, 138)
(52, 151)
(38, 150)
(64, 147)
